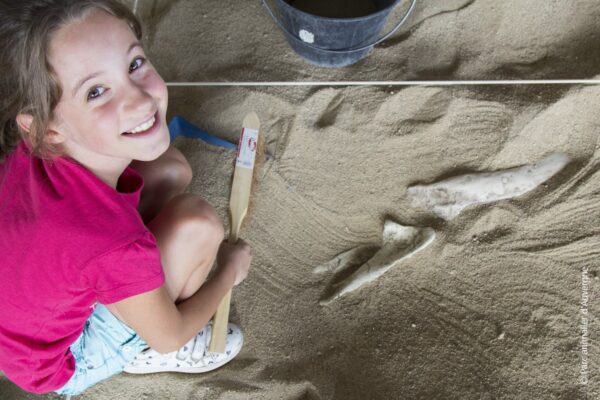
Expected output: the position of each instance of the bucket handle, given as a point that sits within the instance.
(352, 49)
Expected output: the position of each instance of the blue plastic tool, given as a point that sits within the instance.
(180, 127)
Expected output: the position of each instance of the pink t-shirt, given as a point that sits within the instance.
(67, 241)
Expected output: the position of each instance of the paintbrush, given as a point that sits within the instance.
(239, 200)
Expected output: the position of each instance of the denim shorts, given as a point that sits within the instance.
(103, 349)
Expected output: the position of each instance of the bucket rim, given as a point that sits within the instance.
(337, 19)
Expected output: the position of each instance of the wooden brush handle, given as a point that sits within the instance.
(238, 206)
(221, 318)
(220, 321)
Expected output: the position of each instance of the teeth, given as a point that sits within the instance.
(143, 127)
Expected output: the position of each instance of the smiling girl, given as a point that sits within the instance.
(104, 259)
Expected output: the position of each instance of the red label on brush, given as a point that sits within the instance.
(247, 148)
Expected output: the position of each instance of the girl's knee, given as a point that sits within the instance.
(171, 170)
(180, 171)
(198, 220)
(176, 170)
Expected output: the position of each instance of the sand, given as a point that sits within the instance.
(492, 307)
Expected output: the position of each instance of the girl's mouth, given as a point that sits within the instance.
(145, 129)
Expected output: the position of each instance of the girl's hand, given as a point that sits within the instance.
(236, 257)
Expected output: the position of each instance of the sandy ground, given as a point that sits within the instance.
(491, 309)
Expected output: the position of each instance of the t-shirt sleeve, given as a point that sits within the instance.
(126, 271)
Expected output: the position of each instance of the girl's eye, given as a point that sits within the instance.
(137, 63)
(95, 93)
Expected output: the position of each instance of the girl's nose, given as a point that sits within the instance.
(137, 99)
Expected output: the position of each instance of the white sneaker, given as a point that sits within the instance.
(192, 358)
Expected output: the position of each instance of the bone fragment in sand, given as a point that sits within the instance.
(399, 243)
(449, 197)
(356, 256)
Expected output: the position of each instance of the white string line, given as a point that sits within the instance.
(135, 4)
(393, 83)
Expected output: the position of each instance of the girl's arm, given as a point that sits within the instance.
(166, 326)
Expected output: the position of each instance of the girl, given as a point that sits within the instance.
(94, 269)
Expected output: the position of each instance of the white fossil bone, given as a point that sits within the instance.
(356, 255)
(399, 243)
(449, 197)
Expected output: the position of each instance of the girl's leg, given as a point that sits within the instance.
(189, 233)
(164, 178)
(187, 229)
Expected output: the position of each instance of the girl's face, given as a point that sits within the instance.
(113, 105)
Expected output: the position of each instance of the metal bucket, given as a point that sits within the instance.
(334, 42)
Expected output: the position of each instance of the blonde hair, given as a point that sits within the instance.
(28, 84)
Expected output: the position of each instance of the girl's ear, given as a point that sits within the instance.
(24, 121)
